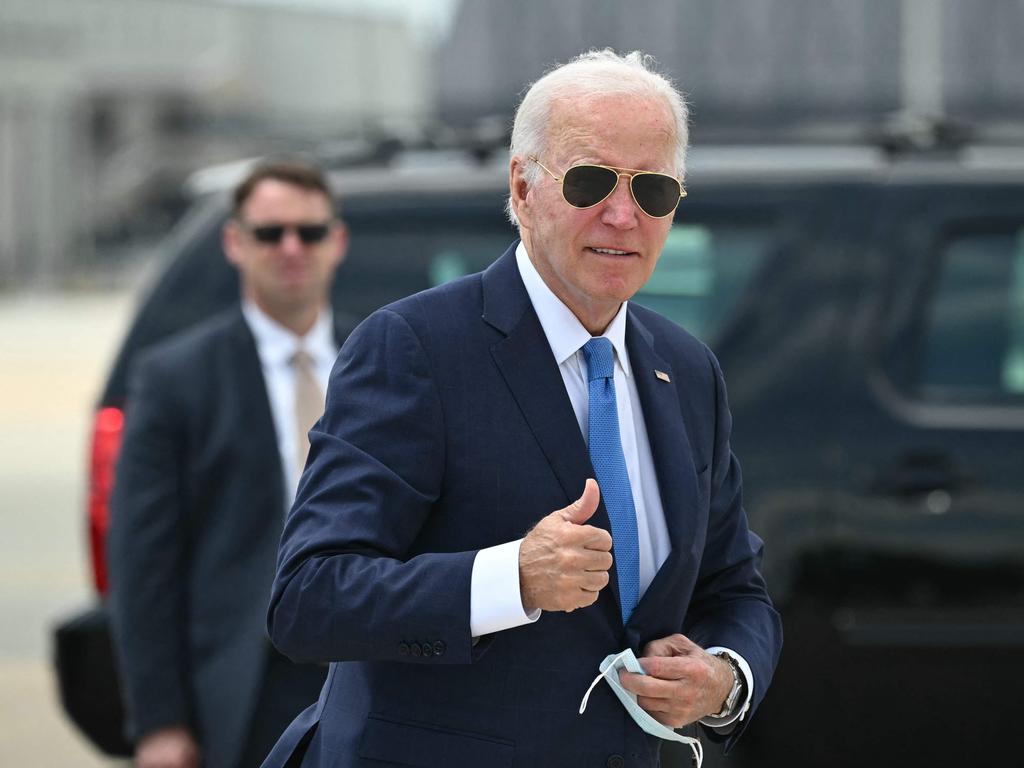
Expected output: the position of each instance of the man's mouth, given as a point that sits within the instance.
(611, 251)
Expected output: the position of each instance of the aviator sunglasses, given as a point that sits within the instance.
(585, 185)
(271, 234)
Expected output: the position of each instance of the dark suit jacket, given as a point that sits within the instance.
(448, 429)
(196, 516)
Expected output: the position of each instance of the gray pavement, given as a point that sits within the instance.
(55, 350)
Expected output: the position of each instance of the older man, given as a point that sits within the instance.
(450, 550)
(214, 444)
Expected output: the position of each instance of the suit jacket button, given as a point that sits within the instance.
(616, 761)
(403, 649)
(440, 648)
(428, 650)
(415, 650)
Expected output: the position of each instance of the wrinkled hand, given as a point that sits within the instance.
(167, 748)
(683, 684)
(563, 563)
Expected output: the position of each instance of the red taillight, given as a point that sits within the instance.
(106, 441)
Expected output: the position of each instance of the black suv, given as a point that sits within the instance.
(868, 310)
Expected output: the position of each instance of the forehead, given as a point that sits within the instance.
(628, 131)
(282, 201)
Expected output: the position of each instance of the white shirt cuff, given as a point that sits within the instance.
(494, 600)
(723, 723)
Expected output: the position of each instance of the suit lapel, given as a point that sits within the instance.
(673, 461)
(525, 361)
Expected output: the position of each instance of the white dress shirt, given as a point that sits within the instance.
(276, 345)
(495, 602)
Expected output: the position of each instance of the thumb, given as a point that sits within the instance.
(584, 507)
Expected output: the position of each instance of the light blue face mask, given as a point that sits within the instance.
(610, 672)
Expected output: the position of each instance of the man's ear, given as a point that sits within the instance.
(230, 239)
(519, 191)
(339, 242)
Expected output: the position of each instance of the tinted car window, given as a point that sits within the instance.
(704, 271)
(974, 335)
(387, 264)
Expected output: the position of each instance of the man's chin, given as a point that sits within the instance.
(298, 295)
(615, 291)
(293, 302)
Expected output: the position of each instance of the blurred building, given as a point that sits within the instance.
(752, 67)
(104, 104)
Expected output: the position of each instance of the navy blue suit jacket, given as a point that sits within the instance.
(448, 429)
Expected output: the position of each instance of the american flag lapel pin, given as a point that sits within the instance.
(662, 375)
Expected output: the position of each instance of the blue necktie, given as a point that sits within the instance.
(610, 467)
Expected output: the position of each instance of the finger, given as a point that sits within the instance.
(597, 539)
(594, 581)
(671, 720)
(651, 705)
(588, 537)
(674, 714)
(598, 561)
(584, 507)
(673, 645)
(575, 562)
(667, 667)
(593, 560)
(645, 685)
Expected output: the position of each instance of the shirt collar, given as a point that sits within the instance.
(276, 344)
(564, 331)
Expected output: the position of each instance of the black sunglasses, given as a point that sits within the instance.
(271, 234)
(585, 185)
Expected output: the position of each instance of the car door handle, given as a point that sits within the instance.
(918, 473)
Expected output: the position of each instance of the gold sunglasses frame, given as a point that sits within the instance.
(630, 173)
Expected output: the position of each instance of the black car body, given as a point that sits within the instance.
(868, 313)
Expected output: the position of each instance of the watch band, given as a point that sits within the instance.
(729, 705)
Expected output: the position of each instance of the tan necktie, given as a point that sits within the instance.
(309, 403)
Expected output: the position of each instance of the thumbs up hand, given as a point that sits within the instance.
(563, 562)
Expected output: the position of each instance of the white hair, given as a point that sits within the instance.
(591, 74)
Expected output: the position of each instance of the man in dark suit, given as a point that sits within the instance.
(449, 550)
(215, 433)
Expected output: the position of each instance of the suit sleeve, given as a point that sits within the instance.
(351, 582)
(730, 605)
(145, 548)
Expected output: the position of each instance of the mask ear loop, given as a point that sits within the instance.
(599, 678)
(698, 750)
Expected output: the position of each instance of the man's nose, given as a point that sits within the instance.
(291, 242)
(620, 210)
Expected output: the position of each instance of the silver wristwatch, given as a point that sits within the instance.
(738, 684)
